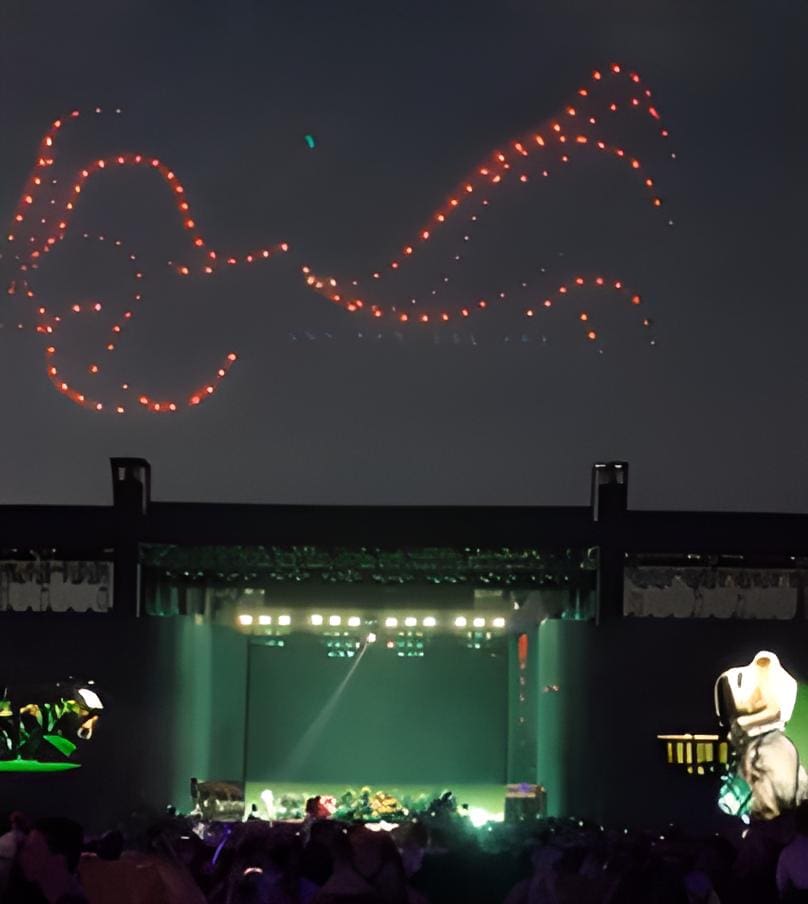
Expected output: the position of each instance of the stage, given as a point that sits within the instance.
(478, 797)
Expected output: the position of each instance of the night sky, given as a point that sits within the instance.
(404, 101)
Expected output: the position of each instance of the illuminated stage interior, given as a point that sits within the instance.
(409, 726)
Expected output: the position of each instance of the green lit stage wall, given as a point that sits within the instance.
(205, 700)
(328, 724)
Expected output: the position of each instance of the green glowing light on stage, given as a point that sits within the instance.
(310, 142)
(35, 766)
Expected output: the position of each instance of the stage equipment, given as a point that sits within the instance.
(222, 801)
(525, 803)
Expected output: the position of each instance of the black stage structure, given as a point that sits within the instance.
(628, 616)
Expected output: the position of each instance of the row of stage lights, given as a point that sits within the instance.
(246, 620)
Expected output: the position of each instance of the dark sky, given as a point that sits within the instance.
(404, 100)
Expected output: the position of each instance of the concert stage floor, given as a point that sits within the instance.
(490, 797)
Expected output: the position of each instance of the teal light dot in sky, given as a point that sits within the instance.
(310, 142)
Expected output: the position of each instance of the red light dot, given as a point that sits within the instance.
(635, 299)
(195, 400)
(529, 312)
(592, 335)
(584, 316)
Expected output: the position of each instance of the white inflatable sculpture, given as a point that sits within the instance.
(755, 702)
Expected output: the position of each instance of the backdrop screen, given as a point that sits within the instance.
(378, 720)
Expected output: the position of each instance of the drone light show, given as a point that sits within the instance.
(44, 219)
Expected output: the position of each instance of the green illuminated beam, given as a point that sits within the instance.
(35, 766)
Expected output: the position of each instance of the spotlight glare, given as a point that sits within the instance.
(479, 622)
(316, 619)
(391, 623)
(371, 638)
(245, 620)
(429, 621)
(498, 622)
(460, 621)
(410, 621)
(284, 619)
(264, 619)
(354, 621)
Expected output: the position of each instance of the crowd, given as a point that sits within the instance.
(440, 860)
